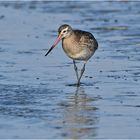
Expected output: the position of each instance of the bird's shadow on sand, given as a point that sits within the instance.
(80, 114)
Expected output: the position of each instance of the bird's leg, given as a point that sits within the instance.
(82, 71)
(76, 69)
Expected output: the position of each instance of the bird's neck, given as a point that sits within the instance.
(70, 36)
(69, 41)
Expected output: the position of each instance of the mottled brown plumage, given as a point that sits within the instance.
(80, 45)
(77, 44)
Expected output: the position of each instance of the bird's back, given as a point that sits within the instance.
(86, 38)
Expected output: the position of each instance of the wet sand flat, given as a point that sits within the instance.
(37, 96)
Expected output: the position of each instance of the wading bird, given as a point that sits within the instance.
(77, 44)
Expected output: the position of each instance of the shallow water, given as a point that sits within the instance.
(37, 96)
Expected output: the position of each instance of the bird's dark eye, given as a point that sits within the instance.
(64, 31)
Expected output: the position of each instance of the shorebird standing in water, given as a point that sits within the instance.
(77, 44)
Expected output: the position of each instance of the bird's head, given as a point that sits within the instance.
(64, 31)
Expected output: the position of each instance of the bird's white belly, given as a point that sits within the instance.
(76, 51)
(79, 55)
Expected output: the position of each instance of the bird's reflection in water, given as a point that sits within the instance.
(80, 117)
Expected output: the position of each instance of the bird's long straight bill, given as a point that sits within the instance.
(54, 45)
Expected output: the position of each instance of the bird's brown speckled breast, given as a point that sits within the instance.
(71, 46)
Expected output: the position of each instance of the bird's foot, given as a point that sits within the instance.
(78, 83)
